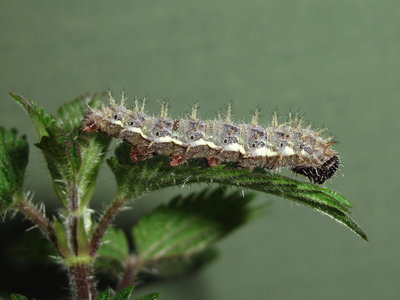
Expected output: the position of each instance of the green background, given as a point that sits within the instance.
(336, 61)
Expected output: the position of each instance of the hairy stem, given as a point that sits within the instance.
(31, 212)
(73, 207)
(81, 273)
(130, 271)
(108, 216)
(82, 281)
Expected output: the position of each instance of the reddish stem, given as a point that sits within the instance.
(130, 272)
(82, 281)
(39, 219)
(105, 221)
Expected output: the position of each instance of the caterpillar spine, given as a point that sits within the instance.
(303, 150)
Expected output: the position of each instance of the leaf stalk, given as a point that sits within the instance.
(105, 221)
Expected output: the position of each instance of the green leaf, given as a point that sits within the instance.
(62, 240)
(176, 265)
(18, 297)
(43, 122)
(93, 148)
(82, 236)
(106, 295)
(62, 154)
(187, 226)
(14, 152)
(84, 152)
(115, 245)
(152, 296)
(154, 174)
(124, 294)
(113, 253)
(74, 157)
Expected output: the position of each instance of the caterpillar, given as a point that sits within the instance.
(250, 146)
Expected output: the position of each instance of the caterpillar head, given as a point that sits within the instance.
(92, 121)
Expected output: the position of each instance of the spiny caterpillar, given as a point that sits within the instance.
(303, 150)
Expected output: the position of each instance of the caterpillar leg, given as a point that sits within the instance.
(177, 159)
(140, 153)
(213, 161)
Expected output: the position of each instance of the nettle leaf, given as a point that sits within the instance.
(106, 295)
(14, 153)
(112, 253)
(177, 265)
(43, 122)
(62, 155)
(84, 152)
(74, 157)
(62, 239)
(18, 297)
(152, 296)
(154, 174)
(93, 148)
(114, 245)
(187, 226)
(124, 294)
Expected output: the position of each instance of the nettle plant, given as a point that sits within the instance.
(175, 237)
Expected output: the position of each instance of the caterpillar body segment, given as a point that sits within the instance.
(302, 150)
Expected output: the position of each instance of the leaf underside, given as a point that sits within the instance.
(176, 237)
(14, 152)
(115, 245)
(113, 253)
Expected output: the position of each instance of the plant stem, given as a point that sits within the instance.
(81, 273)
(73, 207)
(130, 272)
(38, 218)
(74, 234)
(105, 221)
(82, 281)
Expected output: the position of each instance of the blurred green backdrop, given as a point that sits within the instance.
(337, 61)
